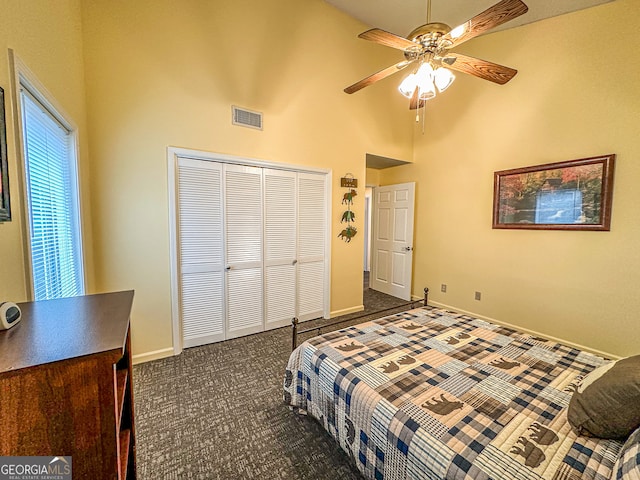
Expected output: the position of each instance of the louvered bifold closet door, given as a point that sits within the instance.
(201, 251)
(280, 247)
(311, 245)
(243, 222)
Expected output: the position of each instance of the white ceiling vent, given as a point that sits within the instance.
(246, 118)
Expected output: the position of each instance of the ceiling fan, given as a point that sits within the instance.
(428, 49)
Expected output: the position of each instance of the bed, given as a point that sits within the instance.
(432, 394)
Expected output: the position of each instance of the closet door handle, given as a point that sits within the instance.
(228, 268)
(294, 262)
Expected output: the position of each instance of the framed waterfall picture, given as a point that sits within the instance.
(5, 211)
(573, 195)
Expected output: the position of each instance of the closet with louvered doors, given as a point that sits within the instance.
(251, 248)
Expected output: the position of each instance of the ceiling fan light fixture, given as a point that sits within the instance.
(443, 78)
(426, 91)
(408, 85)
(424, 80)
(424, 73)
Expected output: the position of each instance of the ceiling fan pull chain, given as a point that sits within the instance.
(428, 11)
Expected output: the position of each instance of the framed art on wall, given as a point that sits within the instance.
(572, 195)
(5, 210)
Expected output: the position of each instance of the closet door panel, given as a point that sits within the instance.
(311, 288)
(201, 251)
(280, 291)
(280, 247)
(245, 315)
(202, 308)
(312, 220)
(243, 224)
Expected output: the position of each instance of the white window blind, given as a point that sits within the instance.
(56, 256)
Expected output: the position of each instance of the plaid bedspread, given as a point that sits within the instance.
(430, 394)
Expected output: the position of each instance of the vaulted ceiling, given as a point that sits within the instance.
(402, 16)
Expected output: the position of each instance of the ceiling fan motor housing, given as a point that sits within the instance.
(432, 30)
(428, 40)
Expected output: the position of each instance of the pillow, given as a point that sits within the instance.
(627, 466)
(607, 402)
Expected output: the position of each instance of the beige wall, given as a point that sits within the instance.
(47, 36)
(166, 73)
(372, 177)
(577, 95)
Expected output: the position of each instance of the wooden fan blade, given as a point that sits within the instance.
(365, 82)
(388, 39)
(500, 13)
(414, 104)
(480, 68)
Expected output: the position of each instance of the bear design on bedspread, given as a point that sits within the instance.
(542, 435)
(351, 430)
(349, 347)
(412, 326)
(533, 455)
(406, 360)
(443, 406)
(504, 364)
(389, 367)
(455, 339)
(533, 443)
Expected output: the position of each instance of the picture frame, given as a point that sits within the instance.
(571, 195)
(5, 208)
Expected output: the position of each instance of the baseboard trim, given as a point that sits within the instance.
(529, 331)
(347, 311)
(149, 356)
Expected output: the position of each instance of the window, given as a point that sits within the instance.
(52, 200)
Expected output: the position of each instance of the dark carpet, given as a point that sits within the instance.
(216, 412)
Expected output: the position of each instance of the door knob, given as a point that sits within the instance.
(408, 249)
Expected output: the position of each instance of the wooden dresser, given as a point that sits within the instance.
(66, 386)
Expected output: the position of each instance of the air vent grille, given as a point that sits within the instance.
(246, 118)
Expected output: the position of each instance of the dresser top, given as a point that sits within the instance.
(55, 330)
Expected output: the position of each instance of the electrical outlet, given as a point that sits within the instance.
(443, 288)
(478, 295)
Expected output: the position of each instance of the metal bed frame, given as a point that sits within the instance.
(294, 323)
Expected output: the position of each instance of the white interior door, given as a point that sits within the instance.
(243, 223)
(312, 224)
(279, 247)
(201, 252)
(392, 249)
